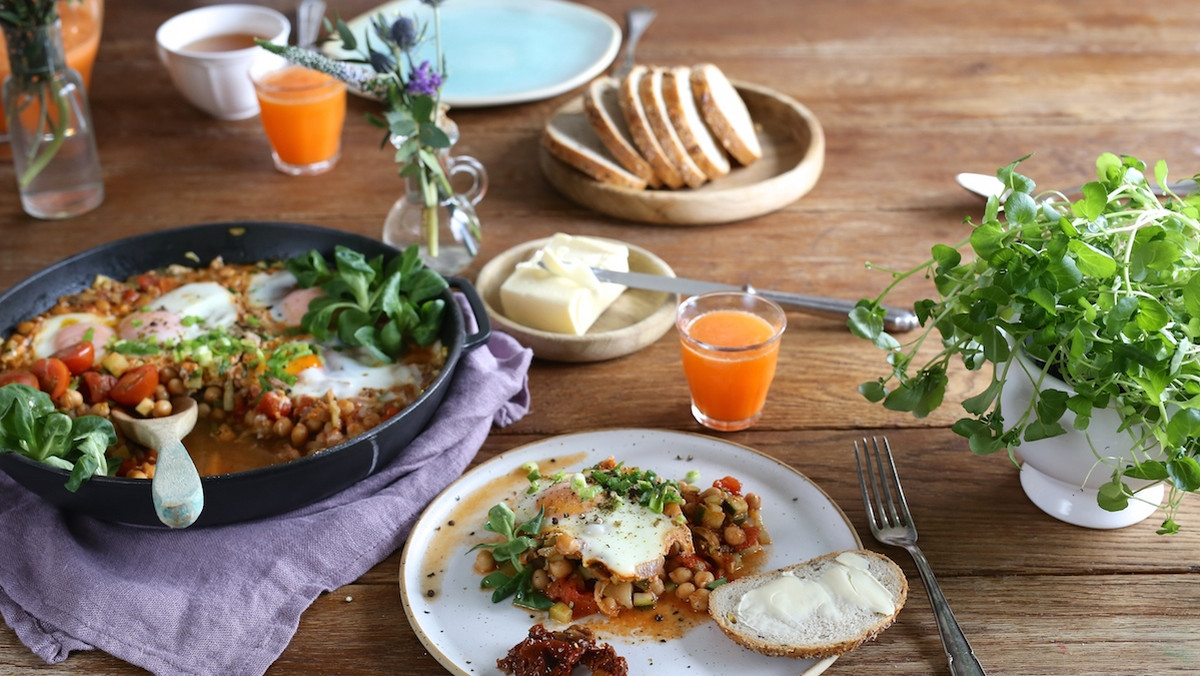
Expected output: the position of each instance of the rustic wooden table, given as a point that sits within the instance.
(909, 94)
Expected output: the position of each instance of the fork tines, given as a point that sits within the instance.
(874, 479)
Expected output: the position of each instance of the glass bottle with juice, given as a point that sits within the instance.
(730, 345)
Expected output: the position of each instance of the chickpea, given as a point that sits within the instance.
(699, 600)
(166, 373)
(565, 544)
(218, 414)
(713, 519)
(162, 408)
(101, 409)
(204, 410)
(354, 429)
(347, 407)
(103, 306)
(656, 586)
(136, 474)
(559, 568)
(149, 469)
(25, 328)
(371, 420)
(299, 435)
(70, 400)
(160, 393)
(680, 575)
(176, 387)
(753, 501)
(212, 394)
(540, 579)
(282, 428)
(702, 578)
(334, 438)
(734, 535)
(709, 493)
(672, 510)
(484, 562)
(683, 591)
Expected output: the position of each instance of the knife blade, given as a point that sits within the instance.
(896, 320)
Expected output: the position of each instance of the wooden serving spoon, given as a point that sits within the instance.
(178, 495)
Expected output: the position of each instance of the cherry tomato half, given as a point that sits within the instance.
(274, 404)
(78, 357)
(22, 377)
(95, 386)
(135, 385)
(53, 376)
(729, 484)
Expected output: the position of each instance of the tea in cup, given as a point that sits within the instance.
(209, 53)
(730, 344)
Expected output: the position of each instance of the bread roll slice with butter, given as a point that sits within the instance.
(602, 104)
(725, 113)
(686, 118)
(650, 89)
(642, 132)
(823, 607)
(570, 137)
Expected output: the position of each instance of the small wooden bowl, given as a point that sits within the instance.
(636, 319)
(793, 144)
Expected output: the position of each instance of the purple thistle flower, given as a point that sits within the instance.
(381, 63)
(424, 80)
(404, 33)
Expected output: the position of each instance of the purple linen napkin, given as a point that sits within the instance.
(228, 599)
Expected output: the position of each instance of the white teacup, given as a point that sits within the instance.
(209, 53)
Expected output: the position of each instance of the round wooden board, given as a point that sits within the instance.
(636, 319)
(793, 144)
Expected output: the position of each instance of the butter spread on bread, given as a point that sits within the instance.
(822, 607)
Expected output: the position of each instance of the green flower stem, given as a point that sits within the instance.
(57, 132)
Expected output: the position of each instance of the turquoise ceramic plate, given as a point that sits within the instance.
(508, 51)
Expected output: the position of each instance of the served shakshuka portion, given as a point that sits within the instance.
(615, 538)
(285, 358)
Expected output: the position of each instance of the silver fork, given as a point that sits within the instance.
(637, 20)
(892, 524)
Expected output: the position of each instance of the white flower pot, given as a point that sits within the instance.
(1062, 475)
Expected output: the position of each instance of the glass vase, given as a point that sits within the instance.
(49, 126)
(447, 234)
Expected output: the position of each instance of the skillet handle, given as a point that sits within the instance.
(481, 318)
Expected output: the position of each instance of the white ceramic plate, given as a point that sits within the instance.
(508, 51)
(467, 633)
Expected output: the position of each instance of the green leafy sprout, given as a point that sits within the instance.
(371, 304)
(518, 539)
(30, 426)
(1103, 292)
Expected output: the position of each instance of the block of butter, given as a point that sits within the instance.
(555, 290)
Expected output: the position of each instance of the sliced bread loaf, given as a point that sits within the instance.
(685, 117)
(650, 89)
(570, 137)
(825, 606)
(603, 108)
(725, 113)
(640, 130)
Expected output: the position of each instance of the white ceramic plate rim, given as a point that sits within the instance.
(466, 633)
(578, 16)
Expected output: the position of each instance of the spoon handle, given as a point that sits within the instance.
(178, 495)
(638, 20)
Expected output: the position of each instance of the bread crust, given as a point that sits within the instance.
(643, 134)
(689, 124)
(613, 132)
(724, 599)
(557, 145)
(725, 113)
(650, 89)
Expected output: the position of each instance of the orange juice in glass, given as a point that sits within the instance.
(302, 112)
(730, 343)
(81, 24)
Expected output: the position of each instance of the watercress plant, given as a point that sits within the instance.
(1103, 292)
(518, 539)
(371, 304)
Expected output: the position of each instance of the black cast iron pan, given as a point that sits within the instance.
(252, 494)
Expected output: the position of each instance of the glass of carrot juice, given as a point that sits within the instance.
(730, 342)
(302, 112)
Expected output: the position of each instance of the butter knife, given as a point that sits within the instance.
(896, 320)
